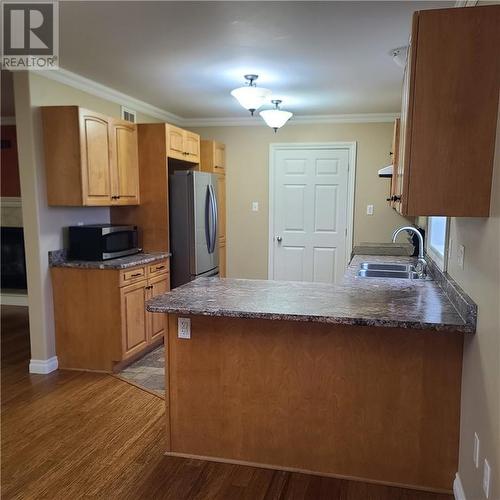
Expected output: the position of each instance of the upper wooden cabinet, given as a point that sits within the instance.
(449, 113)
(395, 163)
(124, 163)
(213, 157)
(90, 159)
(182, 144)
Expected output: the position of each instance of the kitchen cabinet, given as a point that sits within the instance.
(90, 159)
(395, 162)
(124, 163)
(159, 285)
(101, 320)
(449, 113)
(221, 205)
(213, 157)
(134, 319)
(222, 259)
(182, 144)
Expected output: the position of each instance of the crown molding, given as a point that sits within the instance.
(8, 120)
(466, 3)
(296, 120)
(92, 87)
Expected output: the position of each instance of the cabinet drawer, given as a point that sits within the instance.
(158, 268)
(128, 276)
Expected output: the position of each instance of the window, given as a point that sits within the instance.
(437, 240)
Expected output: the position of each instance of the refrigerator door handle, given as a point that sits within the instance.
(214, 218)
(208, 212)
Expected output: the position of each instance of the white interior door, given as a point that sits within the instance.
(309, 218)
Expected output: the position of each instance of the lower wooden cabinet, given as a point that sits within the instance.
(160, 284)
(222, 259)
(101, 320)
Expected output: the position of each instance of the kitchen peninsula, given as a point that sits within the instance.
(358, 380)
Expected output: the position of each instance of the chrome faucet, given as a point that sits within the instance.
(422, 264)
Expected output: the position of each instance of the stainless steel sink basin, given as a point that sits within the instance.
(386, 273)
(386, 266)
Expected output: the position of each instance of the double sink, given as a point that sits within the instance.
(388, 270)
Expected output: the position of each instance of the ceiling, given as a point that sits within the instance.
(321, 58)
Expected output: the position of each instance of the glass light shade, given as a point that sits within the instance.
(251, 98)
(275, 118)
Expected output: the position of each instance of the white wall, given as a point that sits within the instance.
(247, 179)
(43, 224)
(480, 278)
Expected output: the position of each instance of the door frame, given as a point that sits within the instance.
(351, 179)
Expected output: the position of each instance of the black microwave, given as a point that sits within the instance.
(101, 241)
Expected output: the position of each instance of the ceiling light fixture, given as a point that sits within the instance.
(250, 96)
(276, 117)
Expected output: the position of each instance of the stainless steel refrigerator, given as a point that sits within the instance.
(193, 226)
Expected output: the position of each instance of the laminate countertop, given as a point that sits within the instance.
(58, 258)
(402, 303)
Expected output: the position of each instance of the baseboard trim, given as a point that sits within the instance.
(44, 366)
(304, 471)
(458, 489)
(13, 299)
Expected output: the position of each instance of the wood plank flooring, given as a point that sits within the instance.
(71, 435)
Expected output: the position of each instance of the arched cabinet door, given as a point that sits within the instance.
(95, 155)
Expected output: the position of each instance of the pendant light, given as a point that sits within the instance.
(250, 96)
(276, 117)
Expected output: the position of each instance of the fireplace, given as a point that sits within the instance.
(13, 262)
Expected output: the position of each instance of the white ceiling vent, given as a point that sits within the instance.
(129, 114)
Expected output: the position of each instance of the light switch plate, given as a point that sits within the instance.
(184, 328)
(369, 209)
(486, 478)
(460, 256)
(255, 206)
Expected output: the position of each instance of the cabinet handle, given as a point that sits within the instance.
(136, 275)
(149, 287)
(160, 267)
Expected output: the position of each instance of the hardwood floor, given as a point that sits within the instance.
(71, 435)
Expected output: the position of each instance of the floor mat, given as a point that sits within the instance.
(148, 372)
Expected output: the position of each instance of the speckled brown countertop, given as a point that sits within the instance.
(420, 304)
(58, 258)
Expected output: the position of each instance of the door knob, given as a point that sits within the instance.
(279, 239)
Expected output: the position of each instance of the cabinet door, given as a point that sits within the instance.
(157, 322)
(134, 318)
(175, 142)
(222, 259)
(395, 161)
(124, 163)
(94, 142)
(221, 205)
(401, 181)
(219, 157)
(192, 146)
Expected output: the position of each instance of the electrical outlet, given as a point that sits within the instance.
(460, 256)
(369, 209)
(255, 206)
(184, 328)
(486, 478)
(475, 452)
